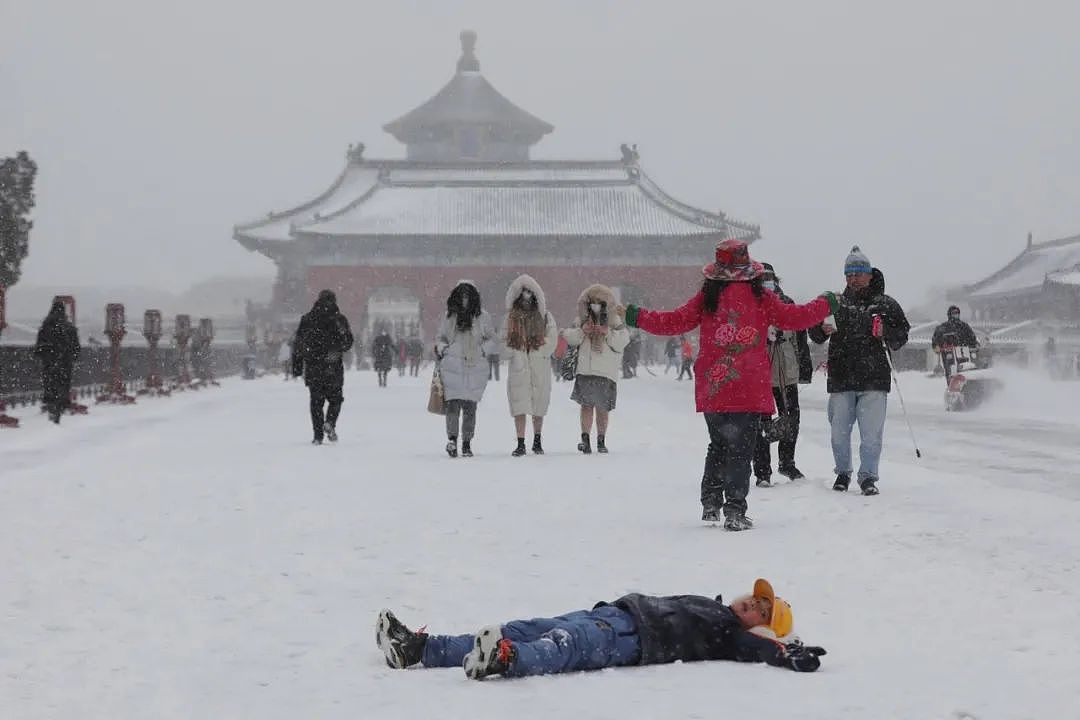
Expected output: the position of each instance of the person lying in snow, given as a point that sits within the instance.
(633, 630)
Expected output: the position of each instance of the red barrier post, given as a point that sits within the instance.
(115, 331)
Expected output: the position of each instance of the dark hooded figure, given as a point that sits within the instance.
(57, 347)
(322, 338)
(383, 352)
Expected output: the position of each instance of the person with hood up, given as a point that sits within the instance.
(57, 348)
(530, 337)
(383, 351)
(789, 356)
(953, 331)
(322, 338)
(632, 630)
(601, 336)
(464, 339)
(867, 325)
(732, 376)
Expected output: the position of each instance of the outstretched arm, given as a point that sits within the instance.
(796, 656)
(788, 316)
(667, 322)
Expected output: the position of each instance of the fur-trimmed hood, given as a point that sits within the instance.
(520, 283)
(595, 293)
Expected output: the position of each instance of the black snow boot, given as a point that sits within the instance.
(401, 646)
(842, 482)
(737, 521)
(331, 432)
(711, 514)
(763, 481)
(520, 449)
(869, 486)
(790, 471)
(585, 445)
(466, 448)
(600, 446)
(451, 447)
(537, 448)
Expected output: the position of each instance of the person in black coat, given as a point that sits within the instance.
(866, 325)
(322, 338)
(57, 347)
(383, 352)
(953, 331)
(633, 630)
(789, 356)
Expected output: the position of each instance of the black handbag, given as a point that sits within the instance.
(568, 365)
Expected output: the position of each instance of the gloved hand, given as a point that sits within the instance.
(834, 304)
(803, 658)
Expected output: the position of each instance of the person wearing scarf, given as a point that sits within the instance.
(530, 336)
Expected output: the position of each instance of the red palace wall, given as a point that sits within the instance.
(660, 287)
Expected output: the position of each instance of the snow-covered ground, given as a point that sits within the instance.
(196, 558)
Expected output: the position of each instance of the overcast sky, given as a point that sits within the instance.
(933, 134)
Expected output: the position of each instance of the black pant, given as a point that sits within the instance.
(320, 395)
(493, 367)
(726, 481)
(414, 367)
(786, 446)
(686, 366)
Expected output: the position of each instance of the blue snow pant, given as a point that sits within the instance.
(581, 640)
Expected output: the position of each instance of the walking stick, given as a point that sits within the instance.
(896, 381)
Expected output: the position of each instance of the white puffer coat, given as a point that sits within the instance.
(528, 374)
(607, 362)
(464, 365)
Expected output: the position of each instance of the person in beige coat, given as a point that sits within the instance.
(600, 335)
(529, 335)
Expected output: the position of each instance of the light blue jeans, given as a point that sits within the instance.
(868, 409)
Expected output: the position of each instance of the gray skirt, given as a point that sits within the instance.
(595, 391)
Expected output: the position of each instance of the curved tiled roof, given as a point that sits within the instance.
(555, 199)
(468, 99)
(1029, 270)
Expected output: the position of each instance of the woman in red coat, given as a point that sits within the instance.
(733, 378)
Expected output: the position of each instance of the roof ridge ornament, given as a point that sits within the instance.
(468, 62)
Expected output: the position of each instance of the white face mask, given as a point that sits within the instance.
(595, 307)
(770, 285)
(526, 295)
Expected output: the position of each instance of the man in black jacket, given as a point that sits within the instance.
(322, 337)
(866, 326)
(633, 630)
(58, 348)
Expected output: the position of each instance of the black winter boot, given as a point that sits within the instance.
(869, 486)
(520, 449)
(842, 482)
(451, 446)
(600, 446)
(537, 448)
(401, 646)
(585, 445)
(466, 448)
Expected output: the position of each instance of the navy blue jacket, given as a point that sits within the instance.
(692, 628)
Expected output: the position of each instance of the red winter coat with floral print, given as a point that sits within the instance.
(732, 371)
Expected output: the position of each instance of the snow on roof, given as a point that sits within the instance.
(1065, 277)
(488, 210)
(1030, 269)
(542, 198)
(349, 187)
